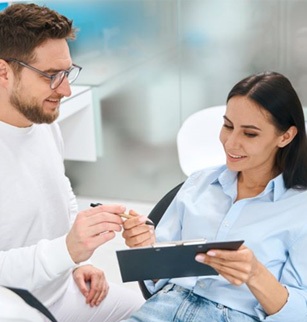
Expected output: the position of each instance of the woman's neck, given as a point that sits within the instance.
(252, 185)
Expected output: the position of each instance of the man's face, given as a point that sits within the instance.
(31, 95)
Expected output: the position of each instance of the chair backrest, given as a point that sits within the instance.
(159, 209)
(155, 215)
(198, 141)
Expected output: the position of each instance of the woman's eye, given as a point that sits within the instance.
(227, 126)
(250, 135)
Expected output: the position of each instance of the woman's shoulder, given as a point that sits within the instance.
(206, 175)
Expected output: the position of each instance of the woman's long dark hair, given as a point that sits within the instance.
(274, 93)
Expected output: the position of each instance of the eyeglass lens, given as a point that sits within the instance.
(71, 75)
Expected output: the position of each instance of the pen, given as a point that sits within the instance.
(147, 222)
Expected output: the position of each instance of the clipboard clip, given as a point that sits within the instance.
(180, 243)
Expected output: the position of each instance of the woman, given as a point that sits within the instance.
(259, 196)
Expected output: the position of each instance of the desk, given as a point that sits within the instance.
(76, 121)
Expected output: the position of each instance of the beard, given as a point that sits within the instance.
(32, 110)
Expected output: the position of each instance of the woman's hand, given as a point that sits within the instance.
(136, 233)
(242, 267)
(238, 267)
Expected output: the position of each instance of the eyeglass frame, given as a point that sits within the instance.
(51, 77)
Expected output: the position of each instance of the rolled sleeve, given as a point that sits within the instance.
(294, 310)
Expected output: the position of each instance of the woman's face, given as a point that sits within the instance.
(249, 138)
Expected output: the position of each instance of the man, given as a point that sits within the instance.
(44, 243)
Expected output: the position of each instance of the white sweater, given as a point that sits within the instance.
(37, 207)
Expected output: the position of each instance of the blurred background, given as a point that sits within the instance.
(152, 63)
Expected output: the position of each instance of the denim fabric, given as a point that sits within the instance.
(174, 303)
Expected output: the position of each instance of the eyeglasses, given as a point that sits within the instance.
(56, 79)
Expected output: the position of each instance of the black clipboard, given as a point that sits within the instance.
(168, 260)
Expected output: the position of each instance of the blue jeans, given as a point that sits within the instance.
(177, 304)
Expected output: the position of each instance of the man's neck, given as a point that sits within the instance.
(14, 118)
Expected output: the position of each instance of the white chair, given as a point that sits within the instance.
(198, 141)
(14, 308)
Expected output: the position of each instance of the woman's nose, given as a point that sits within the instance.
(232, 140)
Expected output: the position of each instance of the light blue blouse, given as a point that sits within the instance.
(273, 224)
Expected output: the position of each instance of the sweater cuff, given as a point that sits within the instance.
(54, 254)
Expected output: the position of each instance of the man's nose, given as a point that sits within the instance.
(64, 88)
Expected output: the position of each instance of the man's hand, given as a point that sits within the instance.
(92, 228)
(92, 283)
(136, 233)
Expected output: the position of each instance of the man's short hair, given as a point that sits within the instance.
(23, 27)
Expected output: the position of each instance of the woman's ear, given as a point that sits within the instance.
(288, 136)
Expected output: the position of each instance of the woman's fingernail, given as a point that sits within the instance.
(200, 258)
(142, 219)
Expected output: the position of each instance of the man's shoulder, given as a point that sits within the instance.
(53, 132)
(50, 129)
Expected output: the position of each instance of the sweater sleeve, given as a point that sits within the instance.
(35, 266)
(73, 204)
